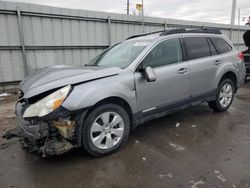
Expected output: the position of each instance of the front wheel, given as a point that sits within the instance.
(105, 130)
(224, 96)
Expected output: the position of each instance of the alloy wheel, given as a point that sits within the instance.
(107, 130)
(226, 95)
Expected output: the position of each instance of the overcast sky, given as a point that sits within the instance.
(218, 11)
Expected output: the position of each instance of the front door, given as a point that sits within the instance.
(171, 87)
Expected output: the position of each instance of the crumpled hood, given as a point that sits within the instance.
(62, 75)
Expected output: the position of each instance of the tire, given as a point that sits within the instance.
(218, 105)
(97, 134)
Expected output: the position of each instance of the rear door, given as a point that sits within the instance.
(203, 63)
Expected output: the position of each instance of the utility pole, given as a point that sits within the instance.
(233, 13)
(232, 18)
(127, 7)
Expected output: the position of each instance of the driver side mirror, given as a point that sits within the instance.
(150, 74)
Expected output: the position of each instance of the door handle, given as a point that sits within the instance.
(182, 70)
(217, 62)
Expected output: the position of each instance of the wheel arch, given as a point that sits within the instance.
(229, 75)
(115, 100)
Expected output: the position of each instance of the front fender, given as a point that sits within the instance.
(88, 94)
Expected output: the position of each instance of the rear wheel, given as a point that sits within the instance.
(224, 96)
(105, 130)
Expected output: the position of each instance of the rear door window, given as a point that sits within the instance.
(196, 47)
(221, 45)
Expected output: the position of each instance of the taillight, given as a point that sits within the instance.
(241, 56)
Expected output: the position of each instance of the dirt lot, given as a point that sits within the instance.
(192, 148)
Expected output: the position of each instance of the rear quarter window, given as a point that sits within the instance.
(221, 45)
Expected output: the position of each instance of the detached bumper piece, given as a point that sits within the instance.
(56, 147)
(47, 137)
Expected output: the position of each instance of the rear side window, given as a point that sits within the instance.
(196, 47)
(221, 45)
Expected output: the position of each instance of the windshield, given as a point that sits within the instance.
(120, 55)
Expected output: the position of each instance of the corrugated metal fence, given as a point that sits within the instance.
(35, 36)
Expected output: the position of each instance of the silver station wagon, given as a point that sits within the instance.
(147, 76)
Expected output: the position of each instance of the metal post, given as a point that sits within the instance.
(143, 29)
(109, 31)
(127, 7)
(165, 25)
(20, 30)
(233, 12)
(231, 33)
(232, 18)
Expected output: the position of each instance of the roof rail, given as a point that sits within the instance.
(186, 30)
(145, 34)
(178, 31)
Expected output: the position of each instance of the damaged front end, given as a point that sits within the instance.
(47, 127)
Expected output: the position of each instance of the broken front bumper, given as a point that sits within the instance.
(52, 135)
